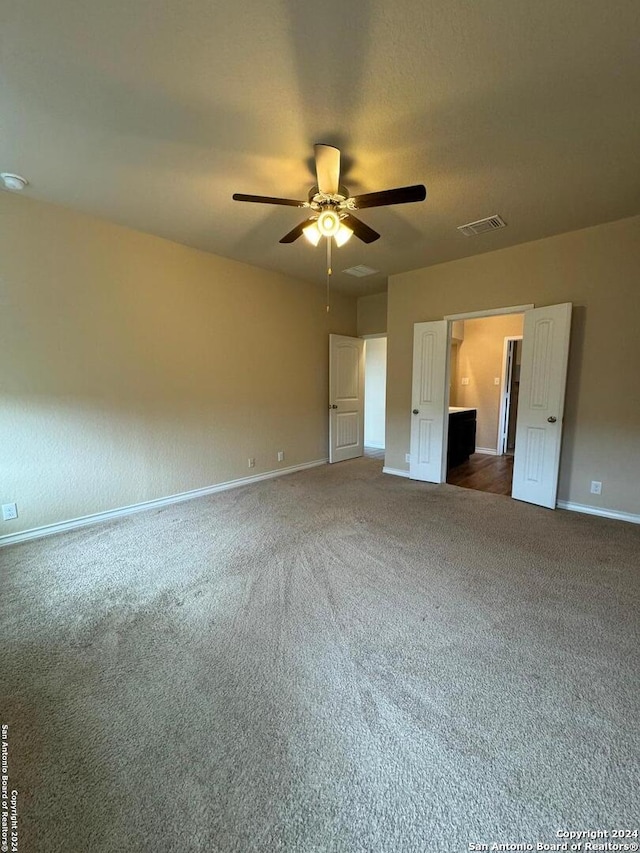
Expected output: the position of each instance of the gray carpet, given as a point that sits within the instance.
(337, 660)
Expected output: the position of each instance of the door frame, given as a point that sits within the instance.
(504, 387)
(560, 313)
(490, 312)
(450, 319)
(474, 315)
(365, 338)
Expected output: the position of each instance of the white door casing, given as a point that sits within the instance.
(543, 373)
(430, 402)
(346, 397)
(508, 367)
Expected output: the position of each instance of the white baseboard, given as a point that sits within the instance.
(374, 445)
(108, 515)
(488, 451)
(601, 511)
(397, 472)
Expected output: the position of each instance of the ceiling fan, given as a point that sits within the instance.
(331, 205)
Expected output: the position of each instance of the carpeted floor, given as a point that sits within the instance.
(336, 660)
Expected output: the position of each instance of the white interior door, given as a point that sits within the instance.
(429, 402)
(346, 397)
(543, 374)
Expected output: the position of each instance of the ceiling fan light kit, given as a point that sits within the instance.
(332, 205)
(328, 224)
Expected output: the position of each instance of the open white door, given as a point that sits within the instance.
(346, 398)
(429, 402)
(543, 376)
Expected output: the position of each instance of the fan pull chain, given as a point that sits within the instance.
(329, 270)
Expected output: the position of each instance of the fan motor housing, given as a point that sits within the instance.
(318, 200)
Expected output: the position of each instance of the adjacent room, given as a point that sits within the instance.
(319, 426)
(485, 358)
(375, 385)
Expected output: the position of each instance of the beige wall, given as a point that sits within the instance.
(134, 368)
(480, 360)
(372, 314)
(598, 270)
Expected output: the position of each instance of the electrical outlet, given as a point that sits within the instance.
(407, 457)
(281, 456)
(9, 511)
(465, 380)
(252, 462)
(596, 487)
(496, 380)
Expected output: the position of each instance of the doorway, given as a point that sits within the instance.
(357, 396)
(375, 393)
(482, 375)
(545, 351)
(510, 395)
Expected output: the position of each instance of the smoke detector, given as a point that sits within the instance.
(13, 182)
(481, 226)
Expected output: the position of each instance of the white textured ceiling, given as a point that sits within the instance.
(151, 113)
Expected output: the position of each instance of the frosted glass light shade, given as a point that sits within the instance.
(328, 223)
(312, 234)
(344, 234)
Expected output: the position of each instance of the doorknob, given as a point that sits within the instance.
(333, 406)
(416, 411)
(552, 420)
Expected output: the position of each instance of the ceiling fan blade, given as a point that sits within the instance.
(266, 199)
(327, 168)
(295, 232)
(401, 195)
(362, 231)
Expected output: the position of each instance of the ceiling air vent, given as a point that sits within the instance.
(360, 271)
(481, 226)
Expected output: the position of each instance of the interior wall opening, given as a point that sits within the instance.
(484, 362)
(375, 384)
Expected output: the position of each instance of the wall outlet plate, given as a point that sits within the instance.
(251, 462)
(281, 456)
(407, 457)
(596, 487)
(9, 512)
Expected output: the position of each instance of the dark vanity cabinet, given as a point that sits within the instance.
(462, 436)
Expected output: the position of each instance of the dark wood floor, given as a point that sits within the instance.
(484, 473)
